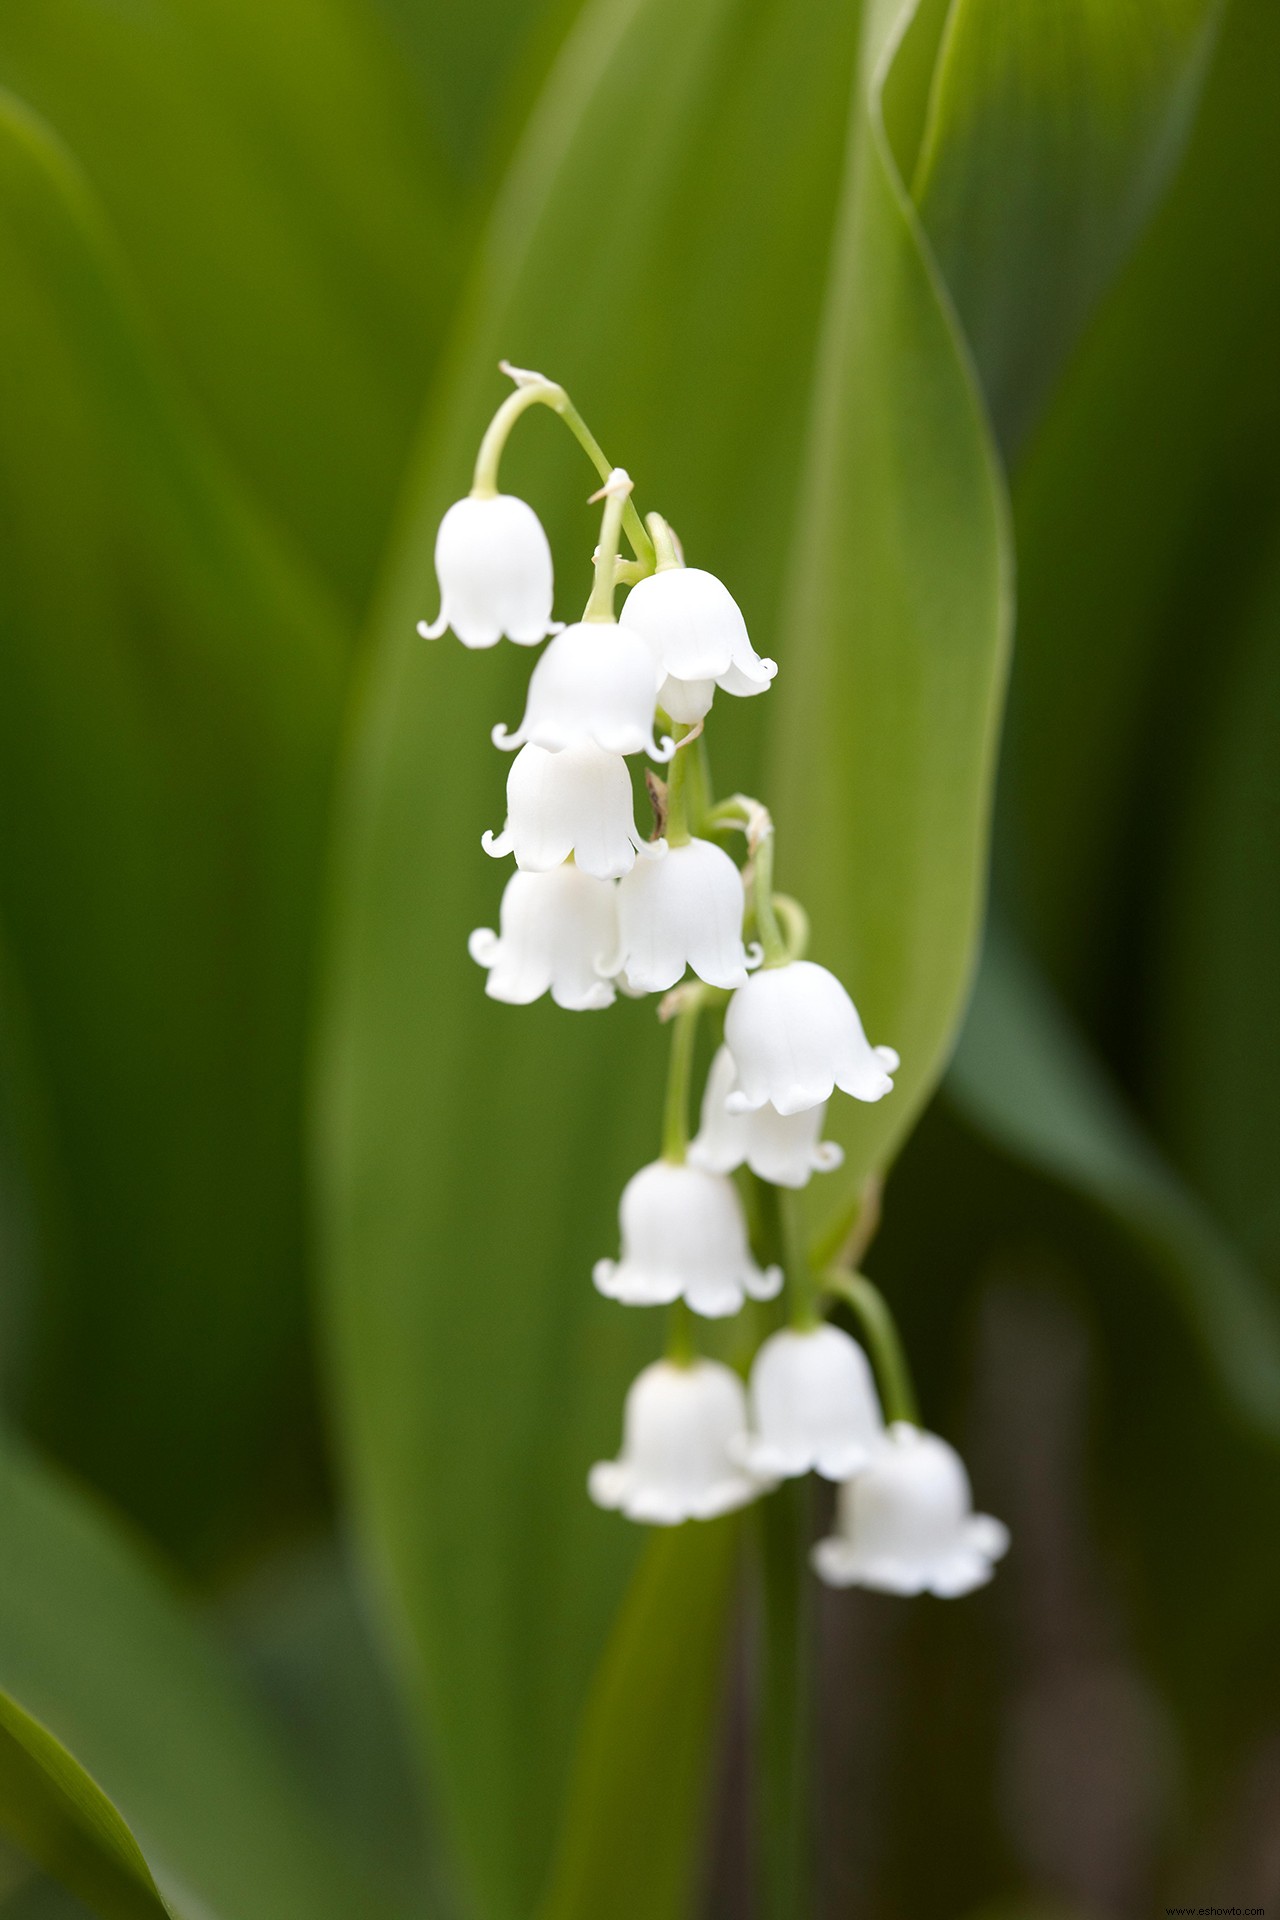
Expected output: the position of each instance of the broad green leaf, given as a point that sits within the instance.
(473, 1154)
(1052, 128)
(97, 1644)
(169, 694)
(896, 637)
(1022, 1077)
(638, 1803)
(271, 173)
(62, 1818)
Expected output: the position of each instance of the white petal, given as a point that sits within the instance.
(595, 684)
(576, 802)
(696, 631)
(558, 932)
(782, 1149)
(813, 1405)
(683, 911)
(681, 1430)
(795, 1036)
(684, 1234)
(494, 568)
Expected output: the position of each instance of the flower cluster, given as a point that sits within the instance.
(594, 908)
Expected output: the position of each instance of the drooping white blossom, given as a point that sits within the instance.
(557, 931)
(684, 1236)
(683, 911)
(813, 1406)
(493, 564)
(795, 1036)
(784, 1149)
(906, 1524)
(699, 640)
(681, 1426)
(594, 686)
(575, 802)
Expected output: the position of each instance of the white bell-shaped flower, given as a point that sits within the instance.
(813, 1406)
(594, 685)
(559, 930)
(683, 911)
(795, 1036)
(681, 1428)
(576, 802)
(784, 1149)
(699, 640)
(906, 1523)
(494, 568)
(684, 1235)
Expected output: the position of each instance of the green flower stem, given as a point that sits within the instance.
(675, 1119)
(546, 393)
(678, 780)
(884, 1343)
(776, 951)
(784, 1729)
(681, 1348)
(795, 925)
(600, 605)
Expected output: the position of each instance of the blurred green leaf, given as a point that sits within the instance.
(1218, 1068)
(62, 1818)
(1142, 510)
(1052, 129)
(169, 694)
(631, 1842)
(1023, 1078)
(271, 174)
(96, 1643)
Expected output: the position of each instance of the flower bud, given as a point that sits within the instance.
(782, 1148)
(795, 1036)
(558, 930)
(906, 1523)
(680, 1427)
(494, 568)
(684, 1234)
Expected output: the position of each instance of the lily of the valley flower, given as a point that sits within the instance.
(906, 1523)
(494, 568)
(557, 929)
(594, 686)
(575, 802)
(813, 1406)
(684, 1235)
(795, 1036)
(681, 1426)
(784, 1149)
(683, 911)
(699, 640)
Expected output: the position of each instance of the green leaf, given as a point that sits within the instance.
(1022, 1076)
(473, 1154)
(896, 640)
(271, 175)
(637, 1806)
(1053, 126)
(169, 694)
(62, 1818)
(94, 1641)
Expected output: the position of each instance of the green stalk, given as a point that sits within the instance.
(604, 586)
(675, 1117)
(784, 1721)
(879, 1330)
(546, 393)
(678, 783)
